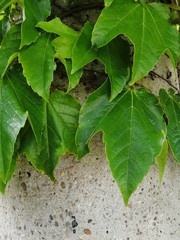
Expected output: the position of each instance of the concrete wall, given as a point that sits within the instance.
(85, 203)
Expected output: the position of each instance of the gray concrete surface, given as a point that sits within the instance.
(85, 203)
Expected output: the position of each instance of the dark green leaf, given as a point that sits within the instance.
(171, 106)
(62, 121)
(5, 3)
(134, 132)
(31, 103)
(115, 57)
(35, 11)
(148, 28)
(4, 24)
(38, 65)
(12, 119)
(9, 48)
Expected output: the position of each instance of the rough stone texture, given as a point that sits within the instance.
(85, 203)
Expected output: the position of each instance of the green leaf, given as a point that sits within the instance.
(62, 122)
(31, 103)
(171, 107)
(134, 132)
(35, 11)
(9, 48)
(34, 141)
(108, 2)
(161, 160)
(38, 65)
(73, 78)
(83, 52)
(58, 27)
(63, 46)
(115, 57)
(12, 166)
(12, 119)
(148, 28)
(5, 3)
(63, 114)
(4, 24)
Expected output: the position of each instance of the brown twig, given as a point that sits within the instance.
(166, 80)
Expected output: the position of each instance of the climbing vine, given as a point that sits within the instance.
(137, 126)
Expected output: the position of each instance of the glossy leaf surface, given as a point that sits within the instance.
(12, 119)
(9, 48)
(35, 11)
(38, 65)
(130, 121)
(148, 28)
(115, 57)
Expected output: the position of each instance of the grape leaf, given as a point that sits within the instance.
(38, 64)
(171, 106)
(62, 122)
(115, 57)
(9, 48)
(35, 11)
(148, 28)
(134, 132)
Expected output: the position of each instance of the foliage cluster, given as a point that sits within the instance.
(137, 125)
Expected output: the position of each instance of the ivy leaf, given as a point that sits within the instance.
(63, 46)
(4, 24)
(38, 65)
(9, 48)
(115, 57)
(148, 28)
(108, 2)
(5, 3)
(171, 106)
(35, 11)
(161, 160)
(58, 27)
(62, 122)
(134, 132)
(34, 105)
(73, 77)
(12, 166)
(12, 119)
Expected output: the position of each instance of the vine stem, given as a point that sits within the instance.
(166, 80)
